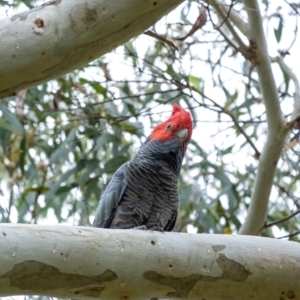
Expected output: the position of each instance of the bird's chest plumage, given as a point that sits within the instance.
(151, 190)
(150, 176)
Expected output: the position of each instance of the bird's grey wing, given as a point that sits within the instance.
(171, 223)
(110, 198)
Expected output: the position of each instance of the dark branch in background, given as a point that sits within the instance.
(287, 192)
(11, 201)
(282, 220)
(200, 22)
(87, 105)
(226, 18)
(246, 51)
(160, 38)
(218, 28)
(234, 120)
(289, 235)
(38, 193)
(292, 5)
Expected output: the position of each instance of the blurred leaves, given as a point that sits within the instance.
(9, 121)
(75, 131)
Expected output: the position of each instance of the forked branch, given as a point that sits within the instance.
(277, 129)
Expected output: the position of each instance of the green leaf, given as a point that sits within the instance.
(173, 73)
(195, 82)
(133, 128)
(92, 188)
(113, 164)
(95, 85)
(57, 184)
(278, 31)
(59, 155)
(66, 188)
(105, 138)
(38, 189)
(10, 122)
(130, 51)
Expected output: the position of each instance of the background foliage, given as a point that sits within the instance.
(61, 141)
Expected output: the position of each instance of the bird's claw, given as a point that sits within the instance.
(157, 228)
(154, 228)
(142, 227)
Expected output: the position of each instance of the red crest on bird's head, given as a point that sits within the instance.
(179, 119)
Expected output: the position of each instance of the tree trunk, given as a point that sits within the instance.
(81, 262)
(60, 36)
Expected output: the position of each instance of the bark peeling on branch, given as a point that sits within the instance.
(60, 36)
(41, 276)
(90, 263)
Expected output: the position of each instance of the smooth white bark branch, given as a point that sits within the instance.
(56, 38)
(237, 20)
(90, 263)
(232, 15)
(277, 129)
(291, 75)
(263, 66)
(226, 17)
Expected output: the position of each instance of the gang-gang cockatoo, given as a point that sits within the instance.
(143, 193)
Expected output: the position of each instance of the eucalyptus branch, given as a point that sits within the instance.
(237, 20)
(227, 39)
(89, 263)
(33, 54)
(234, 17)
(277, 129)
(289, 72)
(225, 18)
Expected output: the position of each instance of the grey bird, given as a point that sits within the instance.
(143, 193)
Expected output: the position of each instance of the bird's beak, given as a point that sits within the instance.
(182, 134)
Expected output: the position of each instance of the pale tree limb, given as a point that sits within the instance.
(236, 19)
(90, 263)
(231, 14)
(226, 18)
(277, 129)
(284, 67)
(19, 104)
(60, 36)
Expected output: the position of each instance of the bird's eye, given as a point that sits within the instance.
(169, 126)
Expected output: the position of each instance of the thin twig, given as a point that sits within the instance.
(282, 220)
(234, 120)
(257, 153)
(36, 197)
(289, 235)
(234, 17)
(225, 18)
(295, 36)
(11, 201)
(282, 189)
(292, 6)
(227, 39)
